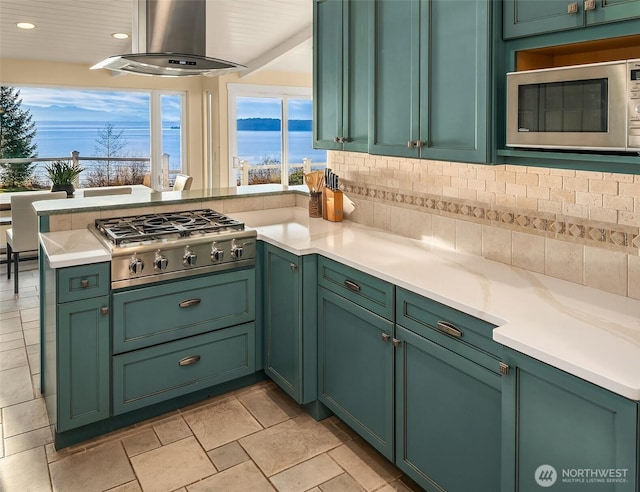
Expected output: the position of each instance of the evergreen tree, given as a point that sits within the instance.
(17, 131)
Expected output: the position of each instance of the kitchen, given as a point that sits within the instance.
(416, 237)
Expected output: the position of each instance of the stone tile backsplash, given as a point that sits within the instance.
(580, 226)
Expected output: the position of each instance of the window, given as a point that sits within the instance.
(144, 126)
(270, 135)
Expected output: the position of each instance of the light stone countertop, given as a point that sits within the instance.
(73, 248)
(586, 332)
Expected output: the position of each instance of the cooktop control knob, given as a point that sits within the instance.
(216, 253)
(236, 249)
(160, 262)
(136, 265)
(189, 258)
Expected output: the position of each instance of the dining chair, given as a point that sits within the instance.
(125, 190)
(182, 182)
(23, 235)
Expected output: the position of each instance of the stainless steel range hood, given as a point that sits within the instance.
(168, 40)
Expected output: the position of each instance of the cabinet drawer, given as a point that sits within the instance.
(365, 290)
(165, 312)
(83, 282)
(155, 374)
(431, 319)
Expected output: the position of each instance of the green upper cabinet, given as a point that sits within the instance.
(429, 90)
(341, 78)
(556, 426)
(528, 17)
(290, 287)
(395, 79)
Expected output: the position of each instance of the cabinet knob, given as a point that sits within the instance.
(84, 283)
(386, 337)
(419, 144)
(573, 8)
(504, 369)
(411, 144)
(104, 310)
(293, 267)
(396, 343)
(589, 4)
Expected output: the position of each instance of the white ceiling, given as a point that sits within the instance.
(249, 32)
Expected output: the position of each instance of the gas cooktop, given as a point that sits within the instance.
(148, 227)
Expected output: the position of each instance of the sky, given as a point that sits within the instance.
(51, 104)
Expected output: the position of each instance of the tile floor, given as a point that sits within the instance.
(251, 440)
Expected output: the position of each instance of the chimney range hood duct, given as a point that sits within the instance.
(168, 40)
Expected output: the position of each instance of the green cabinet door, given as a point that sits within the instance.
(454, 89)
(327, 74)
(613, 10)
(564, 433)
(447, 417)
(282, 316)
(395, 78)
(341, 78)
(357, 26)
(355, 370)
(289, 297)
(430, 94)
(82, 362)
(528, 17)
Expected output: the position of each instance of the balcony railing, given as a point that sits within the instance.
(247, 174)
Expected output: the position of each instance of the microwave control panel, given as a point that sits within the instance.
(633, 112)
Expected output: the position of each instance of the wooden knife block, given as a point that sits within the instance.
(333, 205)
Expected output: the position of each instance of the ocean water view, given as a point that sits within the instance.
(59, 139)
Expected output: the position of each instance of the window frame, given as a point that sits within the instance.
(262, 91)
(155, 123)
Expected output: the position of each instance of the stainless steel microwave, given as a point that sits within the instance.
(586, 107)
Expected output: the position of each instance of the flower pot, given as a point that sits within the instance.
(69, 188)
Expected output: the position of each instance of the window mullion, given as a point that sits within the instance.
(284, 166)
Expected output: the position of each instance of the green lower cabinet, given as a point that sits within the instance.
(289, 296)
(164, 371)
(565, 434)
(83, 384)
(356, 368)
(448, 417)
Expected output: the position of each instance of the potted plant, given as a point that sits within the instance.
(62, 175)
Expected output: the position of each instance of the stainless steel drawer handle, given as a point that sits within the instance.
(84, 283)
(189, 303)
(449, 329)
(351, 285)
(187, 361)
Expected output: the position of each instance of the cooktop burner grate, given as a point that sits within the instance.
(135, 228)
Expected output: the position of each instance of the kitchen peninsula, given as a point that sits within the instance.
(570, 347)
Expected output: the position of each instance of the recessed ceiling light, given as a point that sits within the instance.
(26, 25)
(120, 35)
